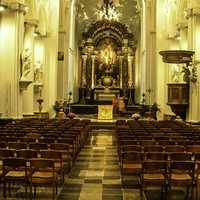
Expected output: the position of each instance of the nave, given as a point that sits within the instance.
(96, 171)
(96, 174)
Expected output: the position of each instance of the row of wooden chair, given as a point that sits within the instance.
(38, 152)
(163, 154)
(155, 168)
(32, 173)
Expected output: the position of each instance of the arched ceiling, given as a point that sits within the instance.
(129, 15)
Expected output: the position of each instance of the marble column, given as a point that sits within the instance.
(121, 60)
(93, 62)
(11, 40)
(130, 71)
(84, 59)
(193, 15)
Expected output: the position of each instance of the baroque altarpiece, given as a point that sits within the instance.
(107, 63)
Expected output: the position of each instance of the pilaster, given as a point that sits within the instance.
(11, 40)
(193, 16)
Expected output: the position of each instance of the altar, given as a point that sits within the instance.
(106, 94)
(105, 112)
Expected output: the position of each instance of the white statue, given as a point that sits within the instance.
(38, 72)
(176, 73)
(26, 63)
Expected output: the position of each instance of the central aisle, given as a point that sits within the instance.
(96, 174)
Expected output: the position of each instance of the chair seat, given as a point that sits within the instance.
(132, 166)
(46, 174)
(154, 177)
(181, 177)
(15, 174)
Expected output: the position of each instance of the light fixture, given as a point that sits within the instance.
(108, 11)
(2, 8)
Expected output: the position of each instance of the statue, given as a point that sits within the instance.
(176, 74)
(38, 72)
(26, 63)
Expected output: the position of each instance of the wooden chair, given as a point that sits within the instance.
(181, 173)
(14, 171)
(43, 173)
(56, 156)
(154, 173)
(131, 164)
(66, 154)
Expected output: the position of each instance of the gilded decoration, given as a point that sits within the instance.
(105, 112)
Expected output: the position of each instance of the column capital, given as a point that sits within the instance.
(182, 25)
(130, 58)
(15, 5)
(191, 12)
(31, 23)
(84, 56)
(93, 57)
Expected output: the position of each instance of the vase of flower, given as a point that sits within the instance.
(71, 115)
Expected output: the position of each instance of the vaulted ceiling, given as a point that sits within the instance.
(129, 14)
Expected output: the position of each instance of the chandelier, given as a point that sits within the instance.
(108, 11)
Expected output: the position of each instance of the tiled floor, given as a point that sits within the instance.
(96, 174)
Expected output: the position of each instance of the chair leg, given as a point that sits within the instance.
(34, 190)
(53, 190)
(31, 191)
(162, 191)
(187, 192)
(4, 189)
(141, 192)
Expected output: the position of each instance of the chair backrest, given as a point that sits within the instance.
(174, 148)
(132, 157)
(42, 164)
(180, 156)
(193, 148)
(5, 153)
(154, 167)
(17, 145)
(38, 146)
(181, 167)
(127, 148)
(27, 154)
(3, 145)
(59, 146)
(156, 156)
(51, 154)
(154, 148)
(14, 163)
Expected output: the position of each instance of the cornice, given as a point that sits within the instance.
(14, 5)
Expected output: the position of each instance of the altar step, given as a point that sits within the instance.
(102, 125)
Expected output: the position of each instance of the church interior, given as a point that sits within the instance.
(100, 99)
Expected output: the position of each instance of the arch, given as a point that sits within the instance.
(108, 29)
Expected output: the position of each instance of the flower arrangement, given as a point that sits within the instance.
(71, 115)
(136, 116)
